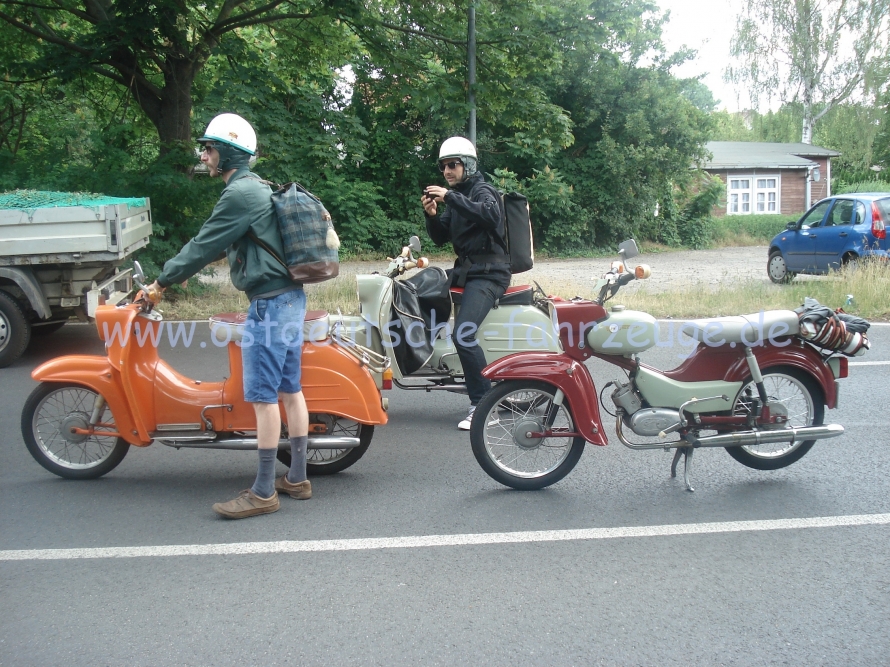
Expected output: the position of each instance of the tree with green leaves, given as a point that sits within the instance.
(817, 53)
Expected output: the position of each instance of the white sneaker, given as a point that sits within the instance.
(467, 421)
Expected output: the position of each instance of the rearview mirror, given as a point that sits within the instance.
(628, 249)
(791, 226)
(414, 244)
(137, 272)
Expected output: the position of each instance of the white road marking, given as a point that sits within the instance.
(868, 363)
(426, 541)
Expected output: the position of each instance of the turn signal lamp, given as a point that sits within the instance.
(618, 267)
(642, 272)
(877, 222)
(422, 263)
(387, 379)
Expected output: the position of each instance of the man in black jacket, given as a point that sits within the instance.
(474, 223)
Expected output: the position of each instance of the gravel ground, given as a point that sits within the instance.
(669, 269)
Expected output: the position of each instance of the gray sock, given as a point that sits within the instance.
(264, 486)
(297, 472)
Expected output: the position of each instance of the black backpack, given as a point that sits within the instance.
(520, 247)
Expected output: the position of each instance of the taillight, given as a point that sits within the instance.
(387, 379)
(844, 369)
(877, 222)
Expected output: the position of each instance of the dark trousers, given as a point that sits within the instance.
(477, 300)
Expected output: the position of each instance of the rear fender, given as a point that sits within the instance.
(335, 382)
(563, 372)
(795, 355)
(96, 373)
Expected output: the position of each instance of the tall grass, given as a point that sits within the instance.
(861, 291)
(868, 285)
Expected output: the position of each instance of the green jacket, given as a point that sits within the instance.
(244, 205)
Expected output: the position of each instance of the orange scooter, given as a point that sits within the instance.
(80, 421)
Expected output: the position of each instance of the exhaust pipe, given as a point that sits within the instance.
(792, 435)
(315, 442)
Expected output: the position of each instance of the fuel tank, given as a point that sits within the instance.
(623, 332)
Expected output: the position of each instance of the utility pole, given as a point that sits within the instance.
(471, 66)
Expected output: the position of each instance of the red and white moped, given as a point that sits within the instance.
(753, 385)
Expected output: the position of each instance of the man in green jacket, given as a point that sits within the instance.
(277, 304)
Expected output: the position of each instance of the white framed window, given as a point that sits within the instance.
(752, 194)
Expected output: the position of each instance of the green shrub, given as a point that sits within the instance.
(863, 186)
(733, 230)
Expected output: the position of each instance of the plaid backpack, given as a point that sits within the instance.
(310, 242)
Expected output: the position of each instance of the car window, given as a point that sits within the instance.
(815, 215)
(841, 213)
(884, 208)
(859, 213)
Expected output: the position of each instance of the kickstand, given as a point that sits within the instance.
(686, 452)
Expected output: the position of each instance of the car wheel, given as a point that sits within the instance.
(850, 263)
(777, 269)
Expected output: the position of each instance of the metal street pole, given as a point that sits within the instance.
(471, 66)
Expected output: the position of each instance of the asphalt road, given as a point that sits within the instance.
(746, 595)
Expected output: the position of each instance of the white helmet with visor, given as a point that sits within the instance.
(461, 148)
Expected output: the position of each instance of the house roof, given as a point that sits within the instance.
(758, 155)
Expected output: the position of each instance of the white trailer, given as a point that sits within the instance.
(60, 255)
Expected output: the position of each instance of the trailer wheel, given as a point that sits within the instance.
(15, 331)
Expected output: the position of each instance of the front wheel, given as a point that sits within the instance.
(331, 461)
(500, 438)
(51, 413)
(796, 394)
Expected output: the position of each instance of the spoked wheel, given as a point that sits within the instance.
(50, 414)
(800, 398)
(501, 440)
(330, 461)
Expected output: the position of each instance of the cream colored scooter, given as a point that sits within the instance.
(410, 322)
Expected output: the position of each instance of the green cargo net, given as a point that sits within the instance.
(31, 199)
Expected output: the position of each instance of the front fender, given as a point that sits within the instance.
(96, 373)
(563, 372)
(335, 382)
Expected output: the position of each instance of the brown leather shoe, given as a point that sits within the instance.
(247, 504)
(300, 490)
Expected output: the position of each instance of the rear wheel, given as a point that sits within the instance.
(15, 330)
(777, 269)
(331, 461)
(800, 397)
(51, 413)
(500, 430)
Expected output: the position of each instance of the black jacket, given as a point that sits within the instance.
(473, 216)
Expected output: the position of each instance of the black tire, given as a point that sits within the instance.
(15, 330)
(805, 403)
(332, 461)
(777, 270)
(49, 412)
(47, 329)
(497, 434)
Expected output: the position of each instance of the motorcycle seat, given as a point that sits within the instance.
(751, 330)
(518, 295)
(231, 326)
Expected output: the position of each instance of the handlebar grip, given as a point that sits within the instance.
(153, 295)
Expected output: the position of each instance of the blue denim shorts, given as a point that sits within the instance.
(271, 347)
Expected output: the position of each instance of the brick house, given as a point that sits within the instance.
(763, 178)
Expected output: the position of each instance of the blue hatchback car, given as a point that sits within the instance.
(836, 231)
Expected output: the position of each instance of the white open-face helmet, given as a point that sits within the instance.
(462, 148)
(231, 129)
